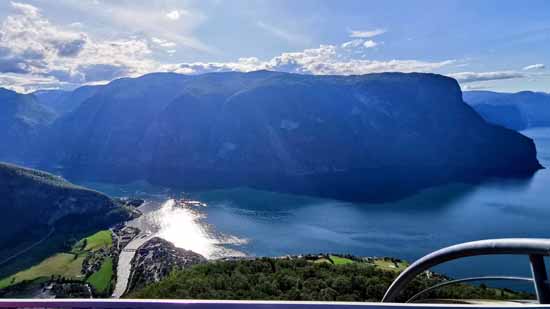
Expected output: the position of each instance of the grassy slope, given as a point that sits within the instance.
(101, 280)
(337, 260)
(101, 239)
(66, 265)
(62, 264)
(33, 202)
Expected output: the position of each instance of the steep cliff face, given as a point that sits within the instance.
(374, 136)
(21, 120)
(517, 111)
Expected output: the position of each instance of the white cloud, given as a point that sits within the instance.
(36, 53)
(163, 43)
(325, 60)
(25, 9)
(538, 66)
(370, 44)
(469, 77)
(30, 44)
(352, 44)
(471, 87)
(146, 19)
(366, 33)
(28, 83)
(76, 25)
(174, 15)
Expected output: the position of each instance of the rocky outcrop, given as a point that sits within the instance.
(156, 259)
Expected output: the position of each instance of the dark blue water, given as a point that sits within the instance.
(279, 224)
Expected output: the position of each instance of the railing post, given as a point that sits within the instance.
(536, 248)
(540, 278)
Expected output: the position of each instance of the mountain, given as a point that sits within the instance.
(21, 120)
(62, 102)
(517, 111)
(368, 137)
(41, 212)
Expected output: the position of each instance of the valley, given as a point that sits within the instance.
(336, 137)
(266, 181)
(167, 153)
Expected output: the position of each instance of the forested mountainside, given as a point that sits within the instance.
(368, 137)
(41, 212)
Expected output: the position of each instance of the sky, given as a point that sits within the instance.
(486, 45)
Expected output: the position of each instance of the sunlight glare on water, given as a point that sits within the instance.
(183, 227)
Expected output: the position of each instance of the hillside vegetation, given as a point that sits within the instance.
(73, 265)
(374, 137)
(322, 279)
(43, 214)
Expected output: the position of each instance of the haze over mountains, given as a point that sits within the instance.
(21, 120)
(368, 137)
(62, 102)
(516, 111)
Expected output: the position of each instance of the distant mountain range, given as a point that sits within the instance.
(22, 119)
(369, 137)
(61, 102)
(517, 111)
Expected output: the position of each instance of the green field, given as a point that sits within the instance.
(69, 264)
(381, 263)
(340, 260)
(101, 239)
(62, 264)
(101, 280)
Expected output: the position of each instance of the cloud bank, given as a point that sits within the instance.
(470, 77)
(31, 45)
(34, 53)
(365, 34)
(37, 54)
(325, 60)
(538, 66)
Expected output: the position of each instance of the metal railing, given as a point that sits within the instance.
(452, 282)
(536, 249)
(225, 304)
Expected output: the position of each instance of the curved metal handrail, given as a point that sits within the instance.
(535, 248)
(451, 282)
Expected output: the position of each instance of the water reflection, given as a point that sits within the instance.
(184, 226)
(278, 224)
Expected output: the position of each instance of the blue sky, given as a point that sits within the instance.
(493, 45)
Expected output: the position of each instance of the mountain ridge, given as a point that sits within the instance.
(517, 111)
(361, 137)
